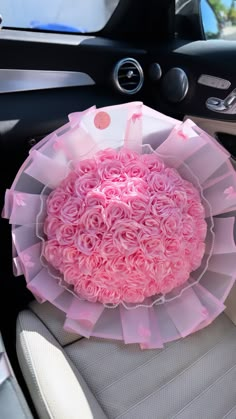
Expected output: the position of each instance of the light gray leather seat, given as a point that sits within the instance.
(71, 378)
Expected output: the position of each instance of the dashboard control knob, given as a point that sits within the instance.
(155, 72)
(175, 85)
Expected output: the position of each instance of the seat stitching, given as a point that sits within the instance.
(230, 411)
(140, 366)
(206, 390)
(95, 361)
(174, 378)
(136, 368)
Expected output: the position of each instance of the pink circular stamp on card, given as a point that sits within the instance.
(102, 120)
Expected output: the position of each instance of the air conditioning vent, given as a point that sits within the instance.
(128, 76)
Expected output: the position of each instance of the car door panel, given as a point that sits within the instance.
(216, 127)
(214, 58)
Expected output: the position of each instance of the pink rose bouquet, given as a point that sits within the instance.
(126, 227)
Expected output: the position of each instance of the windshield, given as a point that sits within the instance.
(57, 15)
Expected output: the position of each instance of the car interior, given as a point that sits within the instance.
(146, 52)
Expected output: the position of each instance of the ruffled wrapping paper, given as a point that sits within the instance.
(196, 156)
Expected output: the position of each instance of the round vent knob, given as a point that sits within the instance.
(128, 76)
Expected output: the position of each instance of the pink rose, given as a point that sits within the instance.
(52, 253)
(151, 225)
(85, 184)
(201, 229)
(66, 234)
(161, 205)
(180, 269)
(161, 267)
(108, 296)
(82, 263)
(68, 184)
(196, 209)
(70, 255)
(112, 190)
(56, 201)
(77, 284)
(168, 284)
(107, 247)
(139, 206)
(51, 226)
(111, 170)
(117, 264)
(172, 247)
(108, 154)
(188, 227)
(136, 187)
(190, 246)
(93, 263)
(178, 263)
(88, 290)
(151, 246)
(122, 278)
(152, 288)
(86, 167)
(179, 198)
(152, 162)
(94, 219)
(102, 278)
(136, 169)
(125, 236)
(158, 182)
(171, 225)
(72, 211)
(95, 198)
(116, 211)
(86, 242)
(71, 274)
(132, 295)
(141, 263)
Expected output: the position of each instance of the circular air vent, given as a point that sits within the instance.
(128, 76)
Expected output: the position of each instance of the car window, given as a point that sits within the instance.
(218, 16)
(57, 15)
(225, 14)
